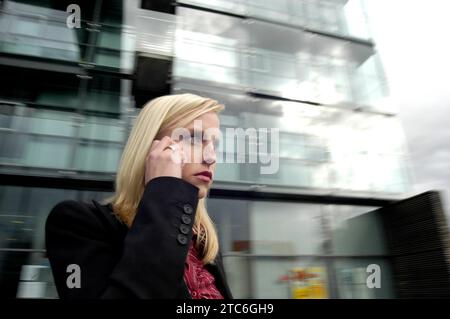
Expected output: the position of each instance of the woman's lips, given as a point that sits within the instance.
(204, 176)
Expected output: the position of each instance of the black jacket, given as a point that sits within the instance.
(145, 261)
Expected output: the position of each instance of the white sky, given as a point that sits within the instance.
(413, 39)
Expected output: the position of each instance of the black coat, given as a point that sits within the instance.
(145, 261)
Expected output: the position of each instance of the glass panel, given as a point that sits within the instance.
(356, 21)
(238, 270)
(207, 72)
(306, 278)
(97, 128)
(341, 17)
(24, 269)
(23, 220)
(41, 31)
(103, 96)
(156, 32)
(47, 139)
(370, 85)
(49, 123)
(232, 220)
(352, 278)
(299, 278)
(39, 138)
(107, 58)
(357, 230)
(37, 31)
(98, 156)
(293, 229)
(207, 47)
(274, 73)
(266, 9)
(47, 151)
(318, 147)
(234, 6)
(279, 60)
(110, 37)
(26, 87)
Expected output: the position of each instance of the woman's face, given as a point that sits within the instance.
(199, 149)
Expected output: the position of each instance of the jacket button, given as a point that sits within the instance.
(184, 229)
(186, 219)
(182, 239)
(188, 209)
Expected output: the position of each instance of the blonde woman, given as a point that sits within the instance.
(153, 238)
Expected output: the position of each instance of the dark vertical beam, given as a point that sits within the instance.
(418, 239)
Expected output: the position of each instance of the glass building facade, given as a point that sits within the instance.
(308, 68)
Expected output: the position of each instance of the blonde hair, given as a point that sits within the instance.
(157, 115)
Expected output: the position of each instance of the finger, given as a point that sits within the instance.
(176, 155)
(152, 147)
(179, 151)
(184, 157)
(166, 141)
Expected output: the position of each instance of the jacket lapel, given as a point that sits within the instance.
(218, 272)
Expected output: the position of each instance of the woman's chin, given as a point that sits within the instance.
(202, 191)
(203, 187)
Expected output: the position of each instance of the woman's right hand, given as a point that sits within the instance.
(163, 161)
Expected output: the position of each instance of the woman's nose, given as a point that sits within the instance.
(209, 154)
